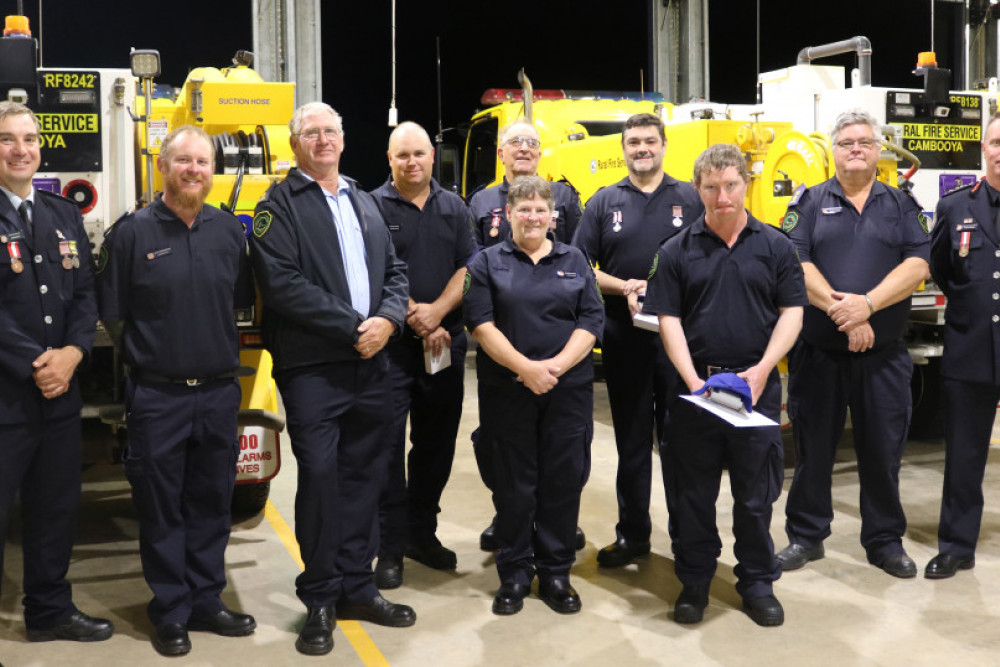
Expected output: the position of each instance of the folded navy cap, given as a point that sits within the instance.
(732, 383)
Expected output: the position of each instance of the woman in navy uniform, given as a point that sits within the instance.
(532, 304)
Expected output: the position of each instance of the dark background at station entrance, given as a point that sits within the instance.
(580, 45)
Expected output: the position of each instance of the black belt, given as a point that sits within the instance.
(148, 376)
(708, 370)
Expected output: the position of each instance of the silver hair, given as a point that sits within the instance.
(527, 187)
(511, 130)
(855, 117)
(295, 124)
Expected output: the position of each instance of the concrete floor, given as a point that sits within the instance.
(838, 611)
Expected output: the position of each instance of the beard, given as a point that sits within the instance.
(185, 198)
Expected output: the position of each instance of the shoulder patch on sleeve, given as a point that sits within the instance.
(467, 284)
(652, 269)
(924, 222)
(797, 195)
(790, 220)
(261, 223)
(103, 255)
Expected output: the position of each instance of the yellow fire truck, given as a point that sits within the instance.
(99, 142)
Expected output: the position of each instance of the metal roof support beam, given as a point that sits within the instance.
(287, 43)
(679, 35)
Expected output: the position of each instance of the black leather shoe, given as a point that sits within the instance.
(691, 603)
(379, 611)
(795, 556)
(429, 551)
(944, 566)
(899, 565)
(621, 552)
(510, 599)
(171, 639)
(79, 628)
(488, 538)
(227, 623)
(316, 636)
(560, 595)
(388, 573)
(765, 611)
(581, 539)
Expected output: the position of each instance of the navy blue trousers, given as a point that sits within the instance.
(698, 446)
(876, 388)
(539, 452)
(411, 498)
(337, 416)
(970, 409)
(640, 379)
(42, 461)
(183, 445)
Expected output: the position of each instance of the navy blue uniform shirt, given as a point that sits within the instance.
(44, 305)
(623, 227)
(435, 241)
(965, 263)
(176, 289)
(855, 252)
(536, 306)
(489, 212)
(308, 316)
(727, 298)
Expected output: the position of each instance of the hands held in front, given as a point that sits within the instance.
(423, 318)
(756, 377)
(375, 333)
(632, 289)
(54, 370)
(848, 310)
(860, 337)
(439, 341)
(540, 376)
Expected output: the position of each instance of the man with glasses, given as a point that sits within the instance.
(520, 151)
(864, 250)
(621, 229)
(334, 293)
(48, 318)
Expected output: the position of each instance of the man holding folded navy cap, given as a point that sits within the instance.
(729, 294)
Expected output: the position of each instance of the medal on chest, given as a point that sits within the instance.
(963, 244)
(616, 217)
(67, 249)
(14, 249)
(678, 216)
(495, 222)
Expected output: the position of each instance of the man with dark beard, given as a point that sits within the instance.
(170, 277)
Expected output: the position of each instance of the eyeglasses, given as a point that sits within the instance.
(312, 135)
(863, 144)
(521, 140)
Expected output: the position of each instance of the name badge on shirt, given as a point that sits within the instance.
(158, 253)
(832, 210)
(968, 223)
(394, 228)
(566, 274)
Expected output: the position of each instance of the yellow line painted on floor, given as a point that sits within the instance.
(355, 634)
